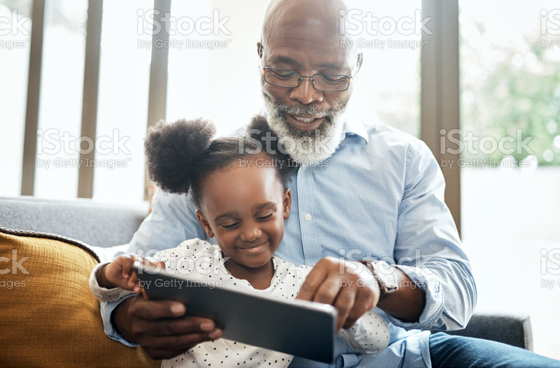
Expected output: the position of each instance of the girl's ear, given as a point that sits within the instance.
(204, 223)
(287, 203)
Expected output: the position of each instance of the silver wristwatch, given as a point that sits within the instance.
(385, 275)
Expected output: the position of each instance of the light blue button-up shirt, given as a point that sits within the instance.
(380, 196)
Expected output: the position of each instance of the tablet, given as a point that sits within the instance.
(301, 328)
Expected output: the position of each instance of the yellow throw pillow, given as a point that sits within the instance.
(48, 316)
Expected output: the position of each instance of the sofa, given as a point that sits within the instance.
(50, 319)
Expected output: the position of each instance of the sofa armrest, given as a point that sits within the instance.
(508, 328)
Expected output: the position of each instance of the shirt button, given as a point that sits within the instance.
(308, 217)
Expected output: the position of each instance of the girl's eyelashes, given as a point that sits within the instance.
(261, 218)
(266, 217)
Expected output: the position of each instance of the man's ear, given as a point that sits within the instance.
(287, 203)
(260, 50)
(204, 223)
(359, 61)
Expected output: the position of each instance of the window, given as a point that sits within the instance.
(511, 191)
(60, 105)
(388, 86)
(124, 78)
(14, 66)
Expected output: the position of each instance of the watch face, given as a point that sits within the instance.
(387, 275)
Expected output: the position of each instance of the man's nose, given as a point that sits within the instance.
(305, 93)
(251, 233)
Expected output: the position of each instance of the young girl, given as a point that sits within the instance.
(241, 195)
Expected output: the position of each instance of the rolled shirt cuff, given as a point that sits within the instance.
(427, 282)
(106, 312)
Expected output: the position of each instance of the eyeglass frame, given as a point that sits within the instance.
(311, 77)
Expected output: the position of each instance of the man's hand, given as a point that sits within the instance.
(161, 327)
(351, 293)
(353, 290)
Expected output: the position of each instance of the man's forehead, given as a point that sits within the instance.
(305, 32)
(306, 17)
(304, 26)
(298, 52)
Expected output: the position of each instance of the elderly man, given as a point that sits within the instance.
(358, 193)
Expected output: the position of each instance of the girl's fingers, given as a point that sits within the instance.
(134, 280)
(127, 266)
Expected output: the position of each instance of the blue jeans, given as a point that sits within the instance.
(467, 352)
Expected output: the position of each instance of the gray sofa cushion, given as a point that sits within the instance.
(512, 329)
(93, 223)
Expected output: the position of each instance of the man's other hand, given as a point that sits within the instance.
(161, 327)
(349, 286)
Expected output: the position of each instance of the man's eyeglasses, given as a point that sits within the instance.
(321, 82)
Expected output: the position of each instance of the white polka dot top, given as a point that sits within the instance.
(369, 335)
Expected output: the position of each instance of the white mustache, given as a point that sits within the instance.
(302, 111)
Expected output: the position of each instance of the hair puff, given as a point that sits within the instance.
(173, 151)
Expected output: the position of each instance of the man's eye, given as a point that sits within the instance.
(265, 217)
(284, 73)
(230, 226)
(334, 79)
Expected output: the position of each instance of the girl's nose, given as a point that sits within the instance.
(251, 234)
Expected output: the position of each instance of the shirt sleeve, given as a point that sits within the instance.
(369, 335)
(172, 220)
(428, 249)
(103, 294)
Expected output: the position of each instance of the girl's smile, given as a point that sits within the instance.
(253, 249)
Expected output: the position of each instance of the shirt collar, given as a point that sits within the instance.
(356, 127)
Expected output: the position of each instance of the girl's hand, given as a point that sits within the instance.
(119, 273)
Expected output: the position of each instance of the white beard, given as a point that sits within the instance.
(307, 148)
